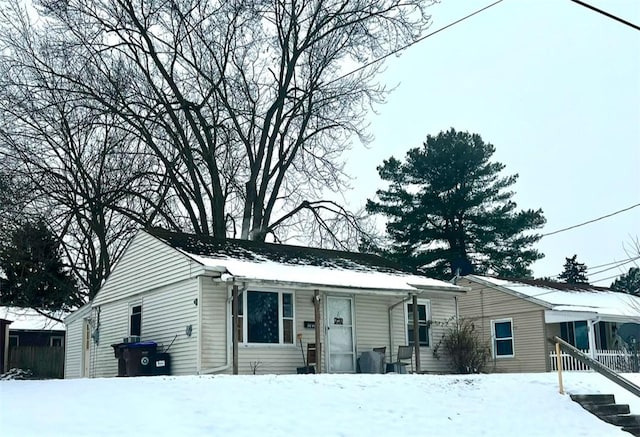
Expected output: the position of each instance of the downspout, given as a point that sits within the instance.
(416, 332)
(390, 320)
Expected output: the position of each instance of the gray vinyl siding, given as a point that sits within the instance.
(113, 324)
(145, 265)
(74, 338)
(73, 350)
(371, 318)
(484, 304)
(166, 313)
(215, 344)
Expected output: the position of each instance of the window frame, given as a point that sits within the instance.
(495, 339)
(243, 336)
(132, 306)
(17, 337)
(56, 337)
(427, 323)
(571, 337)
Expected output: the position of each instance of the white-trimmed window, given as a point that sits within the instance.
(266, 317)
(502, 333)
(424, 317)
(135, 319)
(56, 341)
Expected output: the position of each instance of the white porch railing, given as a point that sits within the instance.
(620, 361)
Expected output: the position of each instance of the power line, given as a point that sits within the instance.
(614, 267)
(605, 13)
(604, 279)
(422, 38)
(625, 261)
(590, 221)
(617, 264)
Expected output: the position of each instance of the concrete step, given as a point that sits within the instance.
(593, 399)
(608, 410)
(633, 430)
(625, 420)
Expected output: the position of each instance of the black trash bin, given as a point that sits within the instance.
(118, 351)
(161, 364)
(139, 358)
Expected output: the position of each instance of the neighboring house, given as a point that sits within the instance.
(176, 289)
(33, 341)
(517, 316)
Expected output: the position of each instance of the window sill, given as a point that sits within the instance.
(268, 345)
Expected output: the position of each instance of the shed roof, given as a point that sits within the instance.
(560, 296)
(298, 264)
(29, 319)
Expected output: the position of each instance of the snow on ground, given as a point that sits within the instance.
(307, 405)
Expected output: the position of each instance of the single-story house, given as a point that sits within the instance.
(32, 341)
(517, 316)
(178, 289)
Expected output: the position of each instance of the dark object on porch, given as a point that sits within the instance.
(399, 366)
(307, 369)
(371, 362)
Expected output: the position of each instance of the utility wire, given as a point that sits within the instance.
(617, 264)
(625, 261)
(422, 38)
(607, 14)
(611, 268)
(604, 279)
(590, 221)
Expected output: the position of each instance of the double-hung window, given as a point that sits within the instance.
(265, 317)
(424, 313)
(502, 333)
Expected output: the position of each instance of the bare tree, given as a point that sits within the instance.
(241, 102)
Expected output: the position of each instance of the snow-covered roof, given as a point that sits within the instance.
(559, 296)
(30, 319)
(303, 265)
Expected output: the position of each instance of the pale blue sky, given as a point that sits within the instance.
(555, 87)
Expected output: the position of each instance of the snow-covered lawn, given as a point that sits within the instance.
(307, 405)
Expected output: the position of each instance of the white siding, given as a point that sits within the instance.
(214, 310)
(443, 311)
(371, 331)
(73, 350)
(166, 314)
(146, 264)
(113, 322)
(73, 359)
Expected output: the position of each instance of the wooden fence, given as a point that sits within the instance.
(42, 361)
(619, 361)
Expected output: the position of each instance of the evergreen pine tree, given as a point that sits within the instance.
(628, 282)
(34, 271)
(574, 272)
(449, 208)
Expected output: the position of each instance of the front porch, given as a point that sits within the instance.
(618, 360)
(595, 335)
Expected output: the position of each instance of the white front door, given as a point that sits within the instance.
(86, 348)
(340, 334)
